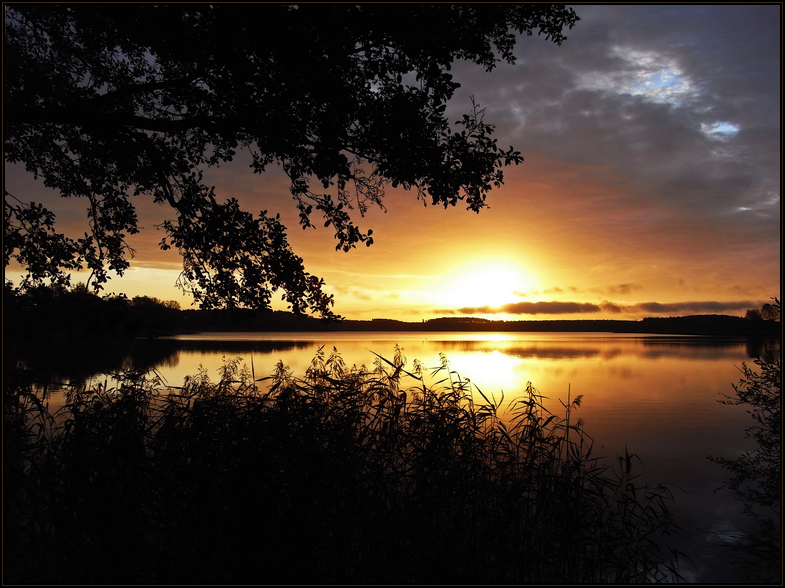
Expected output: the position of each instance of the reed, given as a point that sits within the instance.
(350, 475)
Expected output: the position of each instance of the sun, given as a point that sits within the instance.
(487, 282)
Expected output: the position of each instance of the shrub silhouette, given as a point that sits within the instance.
(756, 476)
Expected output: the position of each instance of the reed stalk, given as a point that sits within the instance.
(346, 475)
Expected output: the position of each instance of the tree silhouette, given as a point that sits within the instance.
(767, 312)
(107, 102)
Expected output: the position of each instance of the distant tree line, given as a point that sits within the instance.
(60, 314)
(65, 314)
(74, 312)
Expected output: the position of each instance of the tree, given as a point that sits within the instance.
(770, 312)
(767, 312)
(753, 314)
(110, 102)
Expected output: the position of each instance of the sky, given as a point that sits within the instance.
(650, 186)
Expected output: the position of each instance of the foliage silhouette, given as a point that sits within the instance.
(767, 312)
(756, 476)
(110, 102)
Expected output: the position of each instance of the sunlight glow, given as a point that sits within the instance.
(487, 283)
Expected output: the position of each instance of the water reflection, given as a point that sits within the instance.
(79, 363)
(540, 353)
(656, 395)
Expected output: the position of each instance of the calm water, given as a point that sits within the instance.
(656, 395)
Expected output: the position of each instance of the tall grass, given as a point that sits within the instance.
(344, 475)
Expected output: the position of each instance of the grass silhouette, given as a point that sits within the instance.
(344, 475)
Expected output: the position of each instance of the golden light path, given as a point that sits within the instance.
(499, 372)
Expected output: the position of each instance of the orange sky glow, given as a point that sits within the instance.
(650, 187)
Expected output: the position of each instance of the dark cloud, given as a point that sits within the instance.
(658, 308)
(634, 88)
(696, 307)
(618, 289)
(624, 288)
(611, 307)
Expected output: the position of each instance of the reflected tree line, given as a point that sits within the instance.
(70, 331)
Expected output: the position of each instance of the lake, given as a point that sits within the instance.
(657, 396)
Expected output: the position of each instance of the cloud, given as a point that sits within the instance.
(534, 308)
(554, 308)
(555, 290)
(615, 290)
(645, 90)
(697, 307)
(622, 289)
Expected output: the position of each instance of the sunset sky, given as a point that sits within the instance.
(650, 186)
